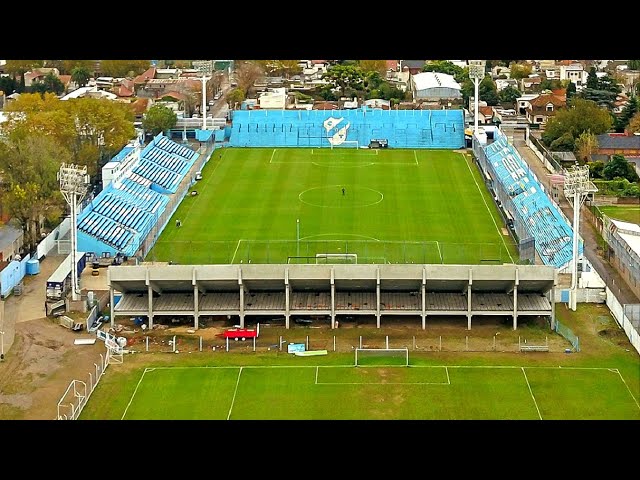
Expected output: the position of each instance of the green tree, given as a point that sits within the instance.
(592, 79)
(488, 91)
(80, 76)
(8, 85)
(17, 69)
(345, 77)
(509, 95)
(551, 84)
(564, 143)
(571, 91)
(580, 116)
(68, 66)
(50, 83)
(621, 122)
(445, 66)
(159, 118)
(618, 167)
(595, 169)
(235, 97)
(633, 64)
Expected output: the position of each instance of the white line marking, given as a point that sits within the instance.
(317, 369)
(439, 252)
(448, 379)
(236, 251)
(274, 152)
(416, 157)
(209, 177)
(234, 394)
(340, 234)
(625, 384)
(486, 205)
(531, 392)
(135, 391)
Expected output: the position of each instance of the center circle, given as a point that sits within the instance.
(333, 196)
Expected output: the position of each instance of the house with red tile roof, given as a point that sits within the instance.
(544, 107)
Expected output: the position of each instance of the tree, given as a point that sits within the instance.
(618, 167)
(159, 118)
(518, 71)
(630, 109)
(580, 116)
(445, 66)
(235, 97)
(509, 95)
(17, 68)
(8, 85)
(633, 64)
(592, 79)
(123, 68)
(80, 76)
(379, 66)
(246, 74)
(68, 66)
(571, 91)
(488, 91)
(585, 145)
(32, 191)
(595, 169)
(634, 123)
(50, 83)
(345, 77)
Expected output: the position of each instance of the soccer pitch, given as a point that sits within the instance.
(286, 205)
(288, 392)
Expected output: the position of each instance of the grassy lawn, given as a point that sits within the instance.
(625, 213)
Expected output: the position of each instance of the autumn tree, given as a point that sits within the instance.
(123, 68)
(519, 70)
(50, 83)
(585, 145)
(32, 191)
(379, 66)
(634, 123)
(246, 73)
(580, 116)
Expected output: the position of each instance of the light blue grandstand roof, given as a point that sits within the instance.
(122, 153)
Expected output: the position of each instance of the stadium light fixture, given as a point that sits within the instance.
(205, 67)
(577, 186)
(476, 73)
(74, 184)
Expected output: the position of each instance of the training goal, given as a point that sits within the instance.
(382, 357)
(336, 258)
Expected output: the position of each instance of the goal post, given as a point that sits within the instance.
(336, 258)
(381, 357)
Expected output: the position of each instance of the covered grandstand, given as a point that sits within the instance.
(435, 129)
(119, 218)
(524, 202)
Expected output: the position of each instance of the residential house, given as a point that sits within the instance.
(38, 74)
(126, 89)
(141, 80)
(624, 144)
(530, 84)
(502, 83)
(544, 107)
(522, 103)
(574, 72)
(274, 98)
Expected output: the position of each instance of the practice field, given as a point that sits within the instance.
(376, 392)
(625, 213)
(288, 205)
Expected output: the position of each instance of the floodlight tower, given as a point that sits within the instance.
(205, 67)
(578, 186)
(74, 184)
(476, 73)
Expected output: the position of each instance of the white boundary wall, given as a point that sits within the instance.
(617, 310)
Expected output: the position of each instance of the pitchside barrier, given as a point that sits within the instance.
(336, 251)
(274, 339)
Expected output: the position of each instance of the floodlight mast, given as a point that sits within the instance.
(74, 184)
(205, 67)
(476, 73)
(578, 186)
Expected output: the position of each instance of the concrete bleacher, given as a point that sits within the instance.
(119, 218)
(541, 218)
(436, 129)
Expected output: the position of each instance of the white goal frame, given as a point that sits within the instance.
(346, 143)
(327, 256)
(360, 351)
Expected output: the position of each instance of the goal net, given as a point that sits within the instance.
(336, 258)
(396, 357)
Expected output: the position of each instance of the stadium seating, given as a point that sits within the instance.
(309, 128)
(552, 234)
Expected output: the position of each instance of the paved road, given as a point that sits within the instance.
(588, 232)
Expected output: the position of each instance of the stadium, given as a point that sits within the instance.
(298, 211)
(355, 232)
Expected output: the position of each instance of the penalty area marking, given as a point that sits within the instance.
(134, 392)
(234, 394)
(340, 235)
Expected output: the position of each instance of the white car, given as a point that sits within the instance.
(198, 175)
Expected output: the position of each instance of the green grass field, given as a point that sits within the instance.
(398, 206)
(625, 213)
(455, 392)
